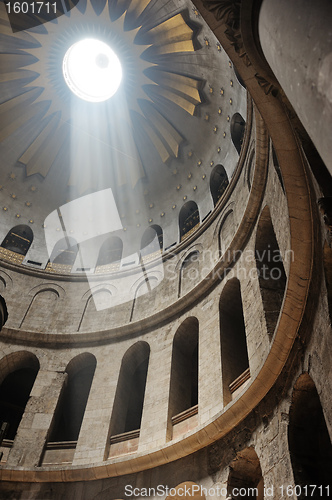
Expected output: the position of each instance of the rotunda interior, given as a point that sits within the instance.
(165, 249)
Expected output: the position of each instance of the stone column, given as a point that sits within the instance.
(33, 430)
(155, 411)
(296, 39)
(210, 399)
(93, 440)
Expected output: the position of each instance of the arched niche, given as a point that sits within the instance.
(270, 269)
(184, 371)
(110, 252)
(189, 272)
(144, 288)
(218, 182)
(70, 409)
(129, 398)
(226, 231)
(18, 372)
(41, 307)
(18, 239)
(99, 300)
(238, 126)
(152, 240)
(245, 479)
(309, 441)
(64, 252)
(188, 218)
(233, 340)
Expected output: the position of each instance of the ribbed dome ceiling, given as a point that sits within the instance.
(154, 143)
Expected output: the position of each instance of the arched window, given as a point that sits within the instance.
(234, 352)
(218, 182)
(238, 126)
(246, 476)
(309, 441)
(64, 252)
(188, 218)
(271, 273)
(110, 251)
(71, 406)
(19, 371)
(130, 391)
(18, 239)
(152, 240)
(184, 369)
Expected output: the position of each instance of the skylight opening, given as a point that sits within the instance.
(92, 70)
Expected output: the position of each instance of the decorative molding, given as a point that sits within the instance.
(265, 84)
(229, 12)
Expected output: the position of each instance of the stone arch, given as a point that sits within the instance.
(97, 299)
(141, 288)
(6, 281)
(270, 269)
(2, 284)
(233, 340)
(245, 478)
(18, 239)
(238, 126)
(309, 442)
(218, 182)
(184, 370)
(129, 397)
(188, 218)
(18, 372)
(37, 316)
(70, 409)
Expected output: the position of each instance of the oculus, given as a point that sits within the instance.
(92, 70)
